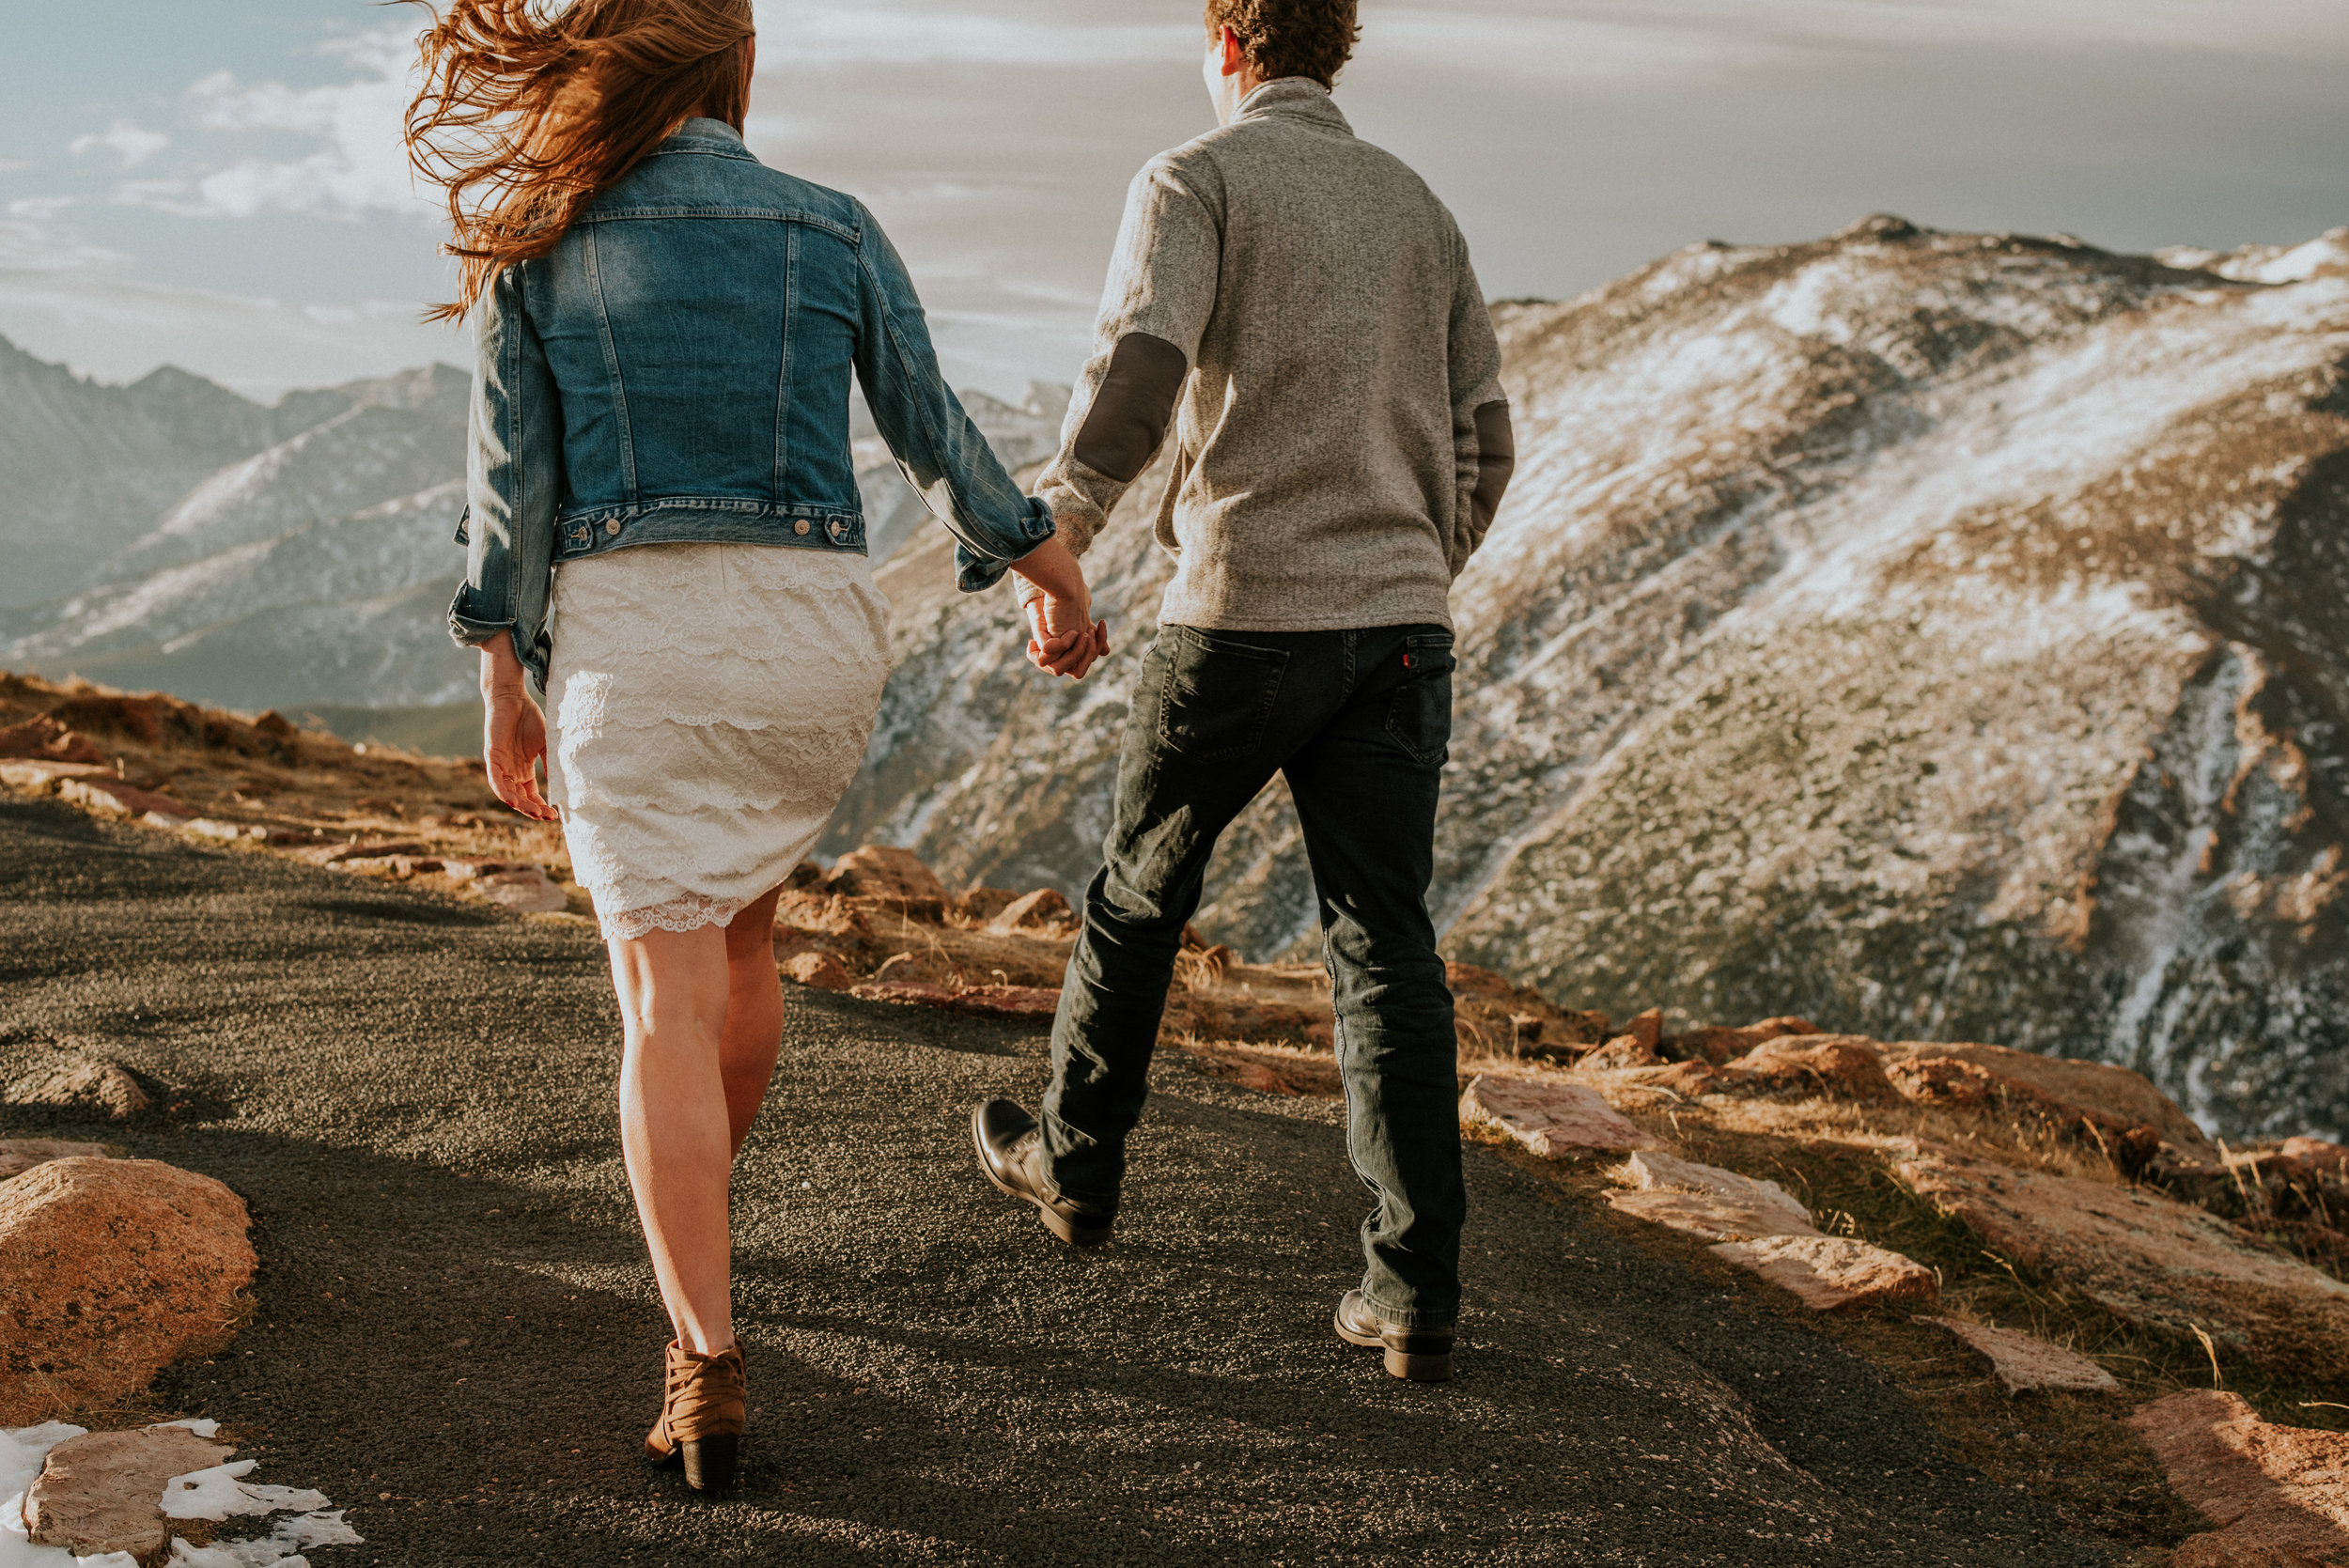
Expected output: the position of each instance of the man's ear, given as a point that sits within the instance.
(1235, 59)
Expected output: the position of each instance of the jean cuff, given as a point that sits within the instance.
(1405, 1318)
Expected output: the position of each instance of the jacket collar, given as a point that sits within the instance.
(1293, 97)
(700, 134)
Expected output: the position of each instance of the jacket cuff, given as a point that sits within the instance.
(471, 631)
(974, 573)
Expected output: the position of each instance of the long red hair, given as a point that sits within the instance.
(529, 112)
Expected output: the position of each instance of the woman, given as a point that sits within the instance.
(663, 529)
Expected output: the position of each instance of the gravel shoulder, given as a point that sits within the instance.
(455, 1334)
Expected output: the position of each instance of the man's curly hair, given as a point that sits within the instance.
(1290, 37)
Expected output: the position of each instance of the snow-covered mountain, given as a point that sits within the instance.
(1942, 635)
(172, 534)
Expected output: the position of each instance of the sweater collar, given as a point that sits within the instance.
(1293, 97)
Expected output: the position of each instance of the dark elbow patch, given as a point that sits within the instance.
(1496, 460)
(1127, 421)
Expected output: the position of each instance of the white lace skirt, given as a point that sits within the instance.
(707, 707)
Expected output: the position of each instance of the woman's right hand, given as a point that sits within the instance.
(513, 733)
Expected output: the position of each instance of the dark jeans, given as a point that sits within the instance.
(1359, 721)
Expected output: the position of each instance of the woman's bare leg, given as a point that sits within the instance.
(674, 1127)
(754, 1033)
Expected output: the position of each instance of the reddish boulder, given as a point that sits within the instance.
(1832, 1273)
(1553, 1120)
(44, 739)
(110, 1271)
(883, 870)
(121, 800)
(1623, 1050)
(79, 1082)
(2279, 1495)
(1043, 911)
(2119, 1097)
(1717, 1045)
(2027, 1363)
(978, 906)
(823, 971)
(1831, 1066)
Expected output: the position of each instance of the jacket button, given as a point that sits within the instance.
(839, 530)
(800, 528)
(613, 526)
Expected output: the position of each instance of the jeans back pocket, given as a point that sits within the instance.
(1215, 701)
(1418, 715)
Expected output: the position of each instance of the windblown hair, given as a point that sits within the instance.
(1290, 37)
(530, 111)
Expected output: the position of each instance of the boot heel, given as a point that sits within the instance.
(1419, 1369)
(712, 1462)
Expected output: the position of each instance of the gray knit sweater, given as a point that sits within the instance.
(1300, 307)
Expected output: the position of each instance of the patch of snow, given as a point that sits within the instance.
(219, 1492)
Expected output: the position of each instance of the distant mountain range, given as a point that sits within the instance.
(172, 534)
(1941, 636)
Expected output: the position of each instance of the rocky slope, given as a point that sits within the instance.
(1938, 634)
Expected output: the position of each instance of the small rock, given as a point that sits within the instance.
(163, 820)
(20, 1154)
(2279, 1495)
(1707, 1201)
(823, 971)
(1831, 1272)
(1648, 1029)
(525, 890)
(110, 1269)
(1042, 911)
(1623, 1051)
(41, 739)
(2323, 1154)
(881, 871)
(2128, 1099)
(100, 1492)
(909, 993)
(381, 850)
(2024, 1362)
(40, 775)
(981, 904)
(208, 826)
(1553, 1120)
(1837, 1066)
(1263, 1079)
(1717, 1045)
(82, 1084)
(120, 799)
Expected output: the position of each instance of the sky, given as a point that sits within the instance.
(220, 185)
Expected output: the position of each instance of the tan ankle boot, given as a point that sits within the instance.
(704, 1407)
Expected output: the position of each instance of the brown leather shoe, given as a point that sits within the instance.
(1423, 1354)
(1011, 1148)
(704, 1408)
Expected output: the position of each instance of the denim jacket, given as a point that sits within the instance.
(678, 371)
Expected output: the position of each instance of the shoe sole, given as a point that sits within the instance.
(1416, 1366)
(1065, 1229)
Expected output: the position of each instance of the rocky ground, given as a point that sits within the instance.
(1739, 1295)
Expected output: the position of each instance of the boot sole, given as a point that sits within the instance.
(1065, 1229)
(1417, 1366)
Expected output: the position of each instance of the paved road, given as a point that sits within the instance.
(414, 1097)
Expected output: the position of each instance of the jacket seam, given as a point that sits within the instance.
(783, 372)
(612, 367)
(758, 215)
(907, 370)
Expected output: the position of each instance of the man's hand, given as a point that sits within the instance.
(513, 733)
(1063, 637)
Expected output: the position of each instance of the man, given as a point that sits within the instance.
(1301, 309)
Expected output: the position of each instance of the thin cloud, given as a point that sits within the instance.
(359, 166)
(801, 34)
(124, 138)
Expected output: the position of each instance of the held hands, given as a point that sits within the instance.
(514, 733)
(1063, 639)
